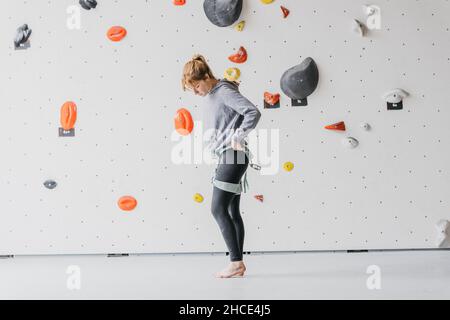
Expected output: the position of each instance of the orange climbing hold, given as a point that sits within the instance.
(183, 122)
(127, 203)
(285, 11)
(340, 126)
(179, 2)
(259, 197)
(116, 33)
(68, 115)
(239, 57)
(271, 99)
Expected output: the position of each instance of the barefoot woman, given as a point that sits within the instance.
(231, 117)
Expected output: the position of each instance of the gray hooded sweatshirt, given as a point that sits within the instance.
(227, 116)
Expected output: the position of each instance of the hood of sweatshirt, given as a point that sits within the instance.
(221, 83)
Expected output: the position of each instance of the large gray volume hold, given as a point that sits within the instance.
(300, 81)
(222, 13)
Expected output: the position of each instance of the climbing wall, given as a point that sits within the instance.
(387, 193)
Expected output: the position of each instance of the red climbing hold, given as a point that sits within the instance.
(259, 197)
(271, 99)
(183, 122)
(337, 126)
(239, 57)
(285, 11)
(179, 2)
(116, 33)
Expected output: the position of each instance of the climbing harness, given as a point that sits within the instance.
(243, 185)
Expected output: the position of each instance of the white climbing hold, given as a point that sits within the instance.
(369, 10)
(442, 227)
(350, 142)
(395, 95)
(365, 126)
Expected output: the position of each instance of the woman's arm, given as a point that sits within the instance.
(236, 101)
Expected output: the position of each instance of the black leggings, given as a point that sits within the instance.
(225, 205)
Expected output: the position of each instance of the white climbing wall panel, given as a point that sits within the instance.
(387, 193)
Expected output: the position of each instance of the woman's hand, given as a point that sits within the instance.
(236, 146)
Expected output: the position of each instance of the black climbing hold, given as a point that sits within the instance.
(88, 4)
(395, 106)
(22, 35)
(222, 13)
(300, 81)
(50, 184)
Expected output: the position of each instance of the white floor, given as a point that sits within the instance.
(315, 275)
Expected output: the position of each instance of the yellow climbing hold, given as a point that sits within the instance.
(288, 166)
(198, 197)
(266, 1)
(232, 74)
(240, 26)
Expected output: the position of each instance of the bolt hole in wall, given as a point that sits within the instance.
(354, 101)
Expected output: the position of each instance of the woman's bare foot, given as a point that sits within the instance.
(236, 268)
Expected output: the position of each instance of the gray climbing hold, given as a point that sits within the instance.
(301, 80)
(442, 228)
(359, 28)
(395, 95)
(88, 4)
(50, 184)
(222, 13)
(23, 34)
(365, 126)
(350, 142)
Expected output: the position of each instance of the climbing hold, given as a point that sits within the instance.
(179, 2)
(340, 126)
(240, 26)
(358, 27)
(271, 100)
(240, 56)
(259, 197)
(288, 166)
(365, 126)
(222, 13)
(442, 228)
(370, 9)
(68, 115)
(232, 74)
(127, 203)
(50, 184)
(88, 4)
(198, 197)
(266, 1)
(350, 142)
(116, 33)
(285, 11)
(300, 81)
(23, 34)
(183, 122)
(394, 98)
